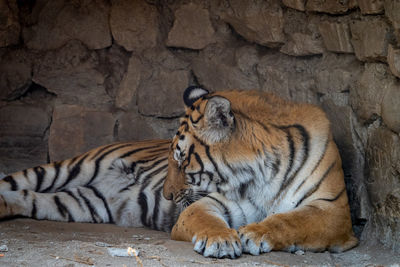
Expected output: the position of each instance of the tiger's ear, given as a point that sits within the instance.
(219, 120)
(193, 93)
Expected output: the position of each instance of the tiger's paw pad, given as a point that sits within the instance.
(218, 245)
(254, 240)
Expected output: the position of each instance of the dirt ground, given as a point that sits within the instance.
(44, 243)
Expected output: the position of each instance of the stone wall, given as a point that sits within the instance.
(75, 74)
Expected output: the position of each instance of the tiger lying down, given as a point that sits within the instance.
(247, 172)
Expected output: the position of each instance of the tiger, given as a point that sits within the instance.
(261, 174)
(247, 172)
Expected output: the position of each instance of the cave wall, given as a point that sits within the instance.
(78, 74)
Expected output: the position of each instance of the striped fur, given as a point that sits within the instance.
(118, 183)
(268, 168)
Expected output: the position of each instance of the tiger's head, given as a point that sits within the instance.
(207, 142)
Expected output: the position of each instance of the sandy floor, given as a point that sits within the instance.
(43, 243)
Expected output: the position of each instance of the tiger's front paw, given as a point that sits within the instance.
(254, 239)
(218, 244)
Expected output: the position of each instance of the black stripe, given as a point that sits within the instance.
(207, 148)
(305, 138)
(40, 172)
(92, 210)
(62, 209)
(69, 193)
(161, 181)
(322, 155)
(25, 193)
(142, 201)
(142, 170)
(99, 159)
(34, 209)
(316, 166)
(25, 172)
(103, 149)
(129, 153)
(9, 179)
(227, 213)
(316, 186)
(56, 166)
(74, 172)
(335, 198)
(243, 189)
(156, 210)
(100, 196)
(196, 121)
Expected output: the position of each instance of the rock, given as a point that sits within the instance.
(23, 141)
(15, 73)
(257, 21)
(217, 69)
(289, 77)
(132, 126)
(299, 252)
(129, 84)
(367, 96)
(371, 6)
(159, 95)
(76, 129)
(300, 44)
(192, 28)
(392, 12)
(113, 64)
(134, 24)
(337, 74)
(383, 169)
(370, 39)
(246, 58)
(295, 4)
(328, 6)
(3, 248)
(72, 73)
(9, 25)
(393, 59)
(61, 21)
(391, 107)
(336, 36)
(303, 36)
(344, 129)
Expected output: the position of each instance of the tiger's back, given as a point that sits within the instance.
(119, 183)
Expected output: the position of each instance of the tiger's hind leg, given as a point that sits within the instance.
(81, 204)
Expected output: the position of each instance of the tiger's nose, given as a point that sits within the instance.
(168, 191)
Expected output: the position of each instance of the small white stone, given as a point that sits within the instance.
(3, 248)
(299, 252)
(122, 252)
(102, 244)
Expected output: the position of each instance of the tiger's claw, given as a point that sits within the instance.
(218, 245)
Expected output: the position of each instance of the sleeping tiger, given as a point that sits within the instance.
(246, 172)
(268, 174)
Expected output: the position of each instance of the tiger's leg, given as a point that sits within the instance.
(81, 204)
(314, 227)
(210, 224)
